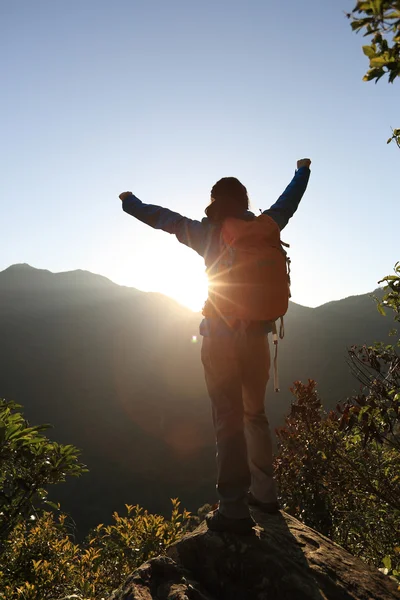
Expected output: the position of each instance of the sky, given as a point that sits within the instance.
(163, 98)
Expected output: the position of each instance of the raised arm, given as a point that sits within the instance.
(188, 232)
(287, 204)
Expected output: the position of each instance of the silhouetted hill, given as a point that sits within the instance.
(116, 372)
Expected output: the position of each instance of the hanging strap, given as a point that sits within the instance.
(275, 341)
(281, 328)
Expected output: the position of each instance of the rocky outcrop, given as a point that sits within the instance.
(285, 560)
(161, 578)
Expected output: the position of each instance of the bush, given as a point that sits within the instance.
(39, 559)
(339, 482)
(340, 472)
(42, 562)
(29, 463)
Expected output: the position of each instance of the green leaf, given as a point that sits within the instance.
(378, 61)
(381, 309)
(52, 505)
(387, 563)
(369, 51)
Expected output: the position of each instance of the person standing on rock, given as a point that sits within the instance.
(248, 291)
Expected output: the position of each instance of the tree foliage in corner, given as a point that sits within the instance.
(380, 20)
(339, 472)
(38, 555)
(29, 463)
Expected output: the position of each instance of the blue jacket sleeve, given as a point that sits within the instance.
(188, 232)
(287, 204)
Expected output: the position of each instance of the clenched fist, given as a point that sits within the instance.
(125, 195)
(303, 162)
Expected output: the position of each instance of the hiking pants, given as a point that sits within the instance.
(236, 370)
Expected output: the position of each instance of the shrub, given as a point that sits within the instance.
(29, 463)
(42, 562)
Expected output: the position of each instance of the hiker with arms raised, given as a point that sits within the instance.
(248, 292)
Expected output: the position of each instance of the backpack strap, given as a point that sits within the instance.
(275, 342)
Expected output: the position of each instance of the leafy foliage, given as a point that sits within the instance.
(29, 463)
(391, 299)
(301, 464)
(39, 558)
(375, 411)
(340, 472)
(335, 481)
(132, 540)
(380, 20)
(395, 137)
(43, 562)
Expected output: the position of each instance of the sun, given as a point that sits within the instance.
(188, 288)
(181, 275)
(194, 297)
(183, 280)
(167, 268)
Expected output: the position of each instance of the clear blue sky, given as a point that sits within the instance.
(165, 97)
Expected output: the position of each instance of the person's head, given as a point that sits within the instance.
(228, 199)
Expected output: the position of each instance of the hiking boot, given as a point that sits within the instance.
(270, 508)
(218, 522)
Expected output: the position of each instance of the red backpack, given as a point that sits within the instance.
(250, 279)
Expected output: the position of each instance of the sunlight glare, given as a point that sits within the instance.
(172, 270)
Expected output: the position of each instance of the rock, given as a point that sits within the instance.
(285, 560)
(161, 578)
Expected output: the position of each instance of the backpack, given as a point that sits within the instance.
(250, 278)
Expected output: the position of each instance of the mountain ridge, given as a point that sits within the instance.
(19, 268)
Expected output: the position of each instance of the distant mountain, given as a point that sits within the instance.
(115, 370)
